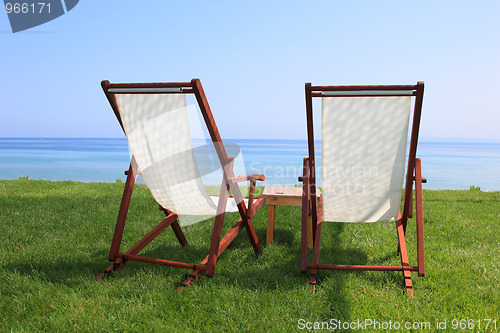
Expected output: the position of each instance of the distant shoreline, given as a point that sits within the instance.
(446, 164)
(421, 139)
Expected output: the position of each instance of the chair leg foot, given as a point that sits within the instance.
(190, 278)
(119, 263)
(313, 282)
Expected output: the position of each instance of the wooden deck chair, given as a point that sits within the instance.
(364, 141)
(155, 120)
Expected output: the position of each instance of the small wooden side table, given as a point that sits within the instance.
(283, 196)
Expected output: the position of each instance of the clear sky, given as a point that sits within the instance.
(253, 58)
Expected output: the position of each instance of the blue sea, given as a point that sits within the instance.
(446, 164)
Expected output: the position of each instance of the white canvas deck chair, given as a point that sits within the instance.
(154, 118)
(364, 140)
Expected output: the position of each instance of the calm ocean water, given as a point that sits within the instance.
(446, 165)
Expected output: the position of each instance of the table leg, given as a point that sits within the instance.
(271, 209)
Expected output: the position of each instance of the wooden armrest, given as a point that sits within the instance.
(247, 177)
(424, 180)
(305, 170)
(138, 172)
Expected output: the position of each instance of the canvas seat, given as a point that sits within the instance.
(364, 141)
(154, 117)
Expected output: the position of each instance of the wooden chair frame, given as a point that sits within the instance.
(414, 175)
(229, 182)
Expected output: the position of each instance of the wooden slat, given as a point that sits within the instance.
(252, 235)
(310, 237)
(365, 93)
(363, 87)
(258, 204)
(420, 218)
(312, 159)
(150, 85)
(161, 90)
(224, 243)
(364, 267)
(404, 256)
(119, 262)
(176, 228)
(247, 177)
(178, 233)
(152, 234)
(122, 213)
(163, 262)
(317, 243)
(305, 216)
(417, 112)
(217, 230)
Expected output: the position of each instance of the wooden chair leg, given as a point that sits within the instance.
(217, 230)
(178, 233)
(313, 280)
(252, 235)
(305, 219)
(139, 246)
(223, 244)
(410, 213)
(404, 257)
(420, 218)
(317, 245)
(122, 214)
(248, 221)
(176, 228)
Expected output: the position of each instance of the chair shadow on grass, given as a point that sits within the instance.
(276, 269)
(64, 271)
(334, 254)
(69, 269)
(281, 270)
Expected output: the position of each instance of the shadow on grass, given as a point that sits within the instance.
(333, 253)
(91, 216)
(63, 271)
(334, 282)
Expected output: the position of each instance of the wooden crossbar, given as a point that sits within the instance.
(224, 243)
(162, 262)
(145, 90)
(364, 267)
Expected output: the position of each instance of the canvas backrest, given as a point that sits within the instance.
(364, 140)
(157, 128)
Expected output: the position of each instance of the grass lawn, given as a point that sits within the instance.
(55, 239)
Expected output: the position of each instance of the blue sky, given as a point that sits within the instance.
(253, 59)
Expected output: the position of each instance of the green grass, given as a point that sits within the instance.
(55, 238)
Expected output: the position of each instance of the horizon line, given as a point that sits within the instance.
(421, 139)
